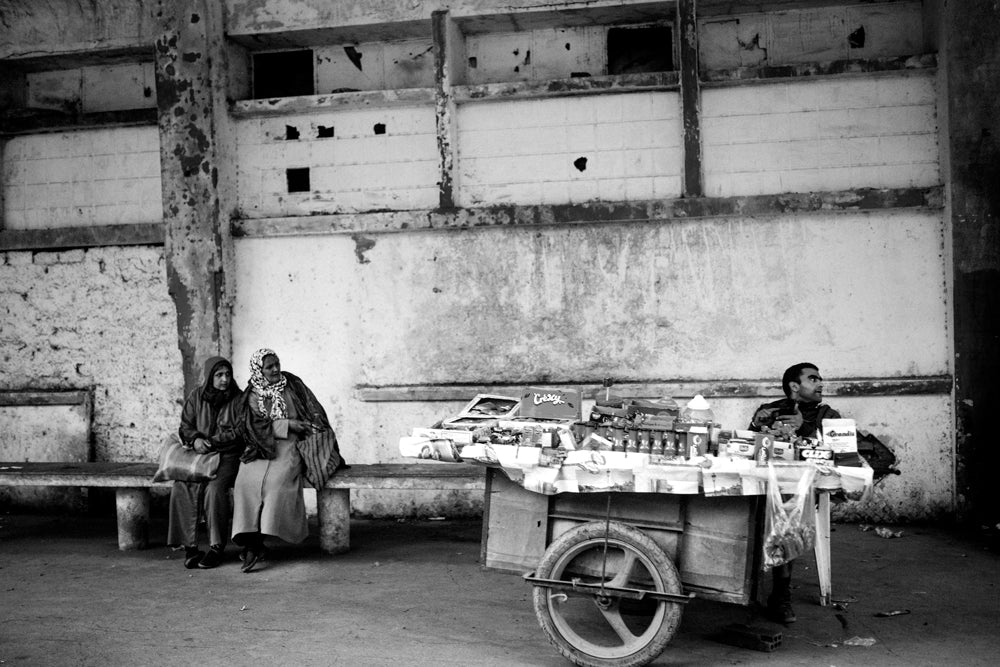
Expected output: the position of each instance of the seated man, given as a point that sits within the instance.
(803, 408)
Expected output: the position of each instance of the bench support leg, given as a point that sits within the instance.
(822, 549)
(334, 509)
(133, 518)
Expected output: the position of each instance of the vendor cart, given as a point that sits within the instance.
(616, 538)
(612, 570)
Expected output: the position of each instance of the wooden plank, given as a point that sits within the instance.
(363, 476)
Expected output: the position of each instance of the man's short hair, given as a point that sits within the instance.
(793, 374)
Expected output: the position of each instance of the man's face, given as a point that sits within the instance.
(809, 388)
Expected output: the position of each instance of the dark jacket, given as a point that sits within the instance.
(813, 415)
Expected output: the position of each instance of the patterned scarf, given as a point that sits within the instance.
(265, 390)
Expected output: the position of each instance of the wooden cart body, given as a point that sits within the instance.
(713, 540)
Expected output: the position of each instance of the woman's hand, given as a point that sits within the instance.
(301, 427)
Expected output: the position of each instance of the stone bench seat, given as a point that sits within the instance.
(132, 483)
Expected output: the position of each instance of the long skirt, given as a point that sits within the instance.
(268, 497)
(187, 497)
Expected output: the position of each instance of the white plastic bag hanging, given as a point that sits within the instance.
(789, 525)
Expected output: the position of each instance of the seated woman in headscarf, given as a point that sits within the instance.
(206, 427)
(287, 435)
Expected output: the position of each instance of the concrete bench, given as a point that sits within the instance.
(132, 483)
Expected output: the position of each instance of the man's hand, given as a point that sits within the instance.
(201, 446)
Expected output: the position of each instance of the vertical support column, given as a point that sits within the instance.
(687, 20)
(190, 96)
(133, 518)
(449, 47)
(333, 507)
(971, 92)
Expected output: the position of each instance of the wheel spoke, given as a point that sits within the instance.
(628, 562)
(614, 618)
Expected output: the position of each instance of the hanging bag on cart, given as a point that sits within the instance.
(789, 525)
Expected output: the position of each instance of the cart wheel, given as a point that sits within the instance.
(607, 630)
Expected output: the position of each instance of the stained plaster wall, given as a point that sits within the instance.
(97, 319)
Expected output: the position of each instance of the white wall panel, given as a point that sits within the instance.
(803, 136)
(526, 152)
(82, 178)
(354, 170)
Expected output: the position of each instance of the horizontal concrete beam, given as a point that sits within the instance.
(81, 237)
(590, 85)
(38, 122)
(909, 386)
(926, 62)
(377, 99)
(656, 212)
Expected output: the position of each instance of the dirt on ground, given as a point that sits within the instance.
(415, 593)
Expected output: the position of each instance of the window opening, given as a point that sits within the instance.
(298, 179)
(283, 74)
(634, 50)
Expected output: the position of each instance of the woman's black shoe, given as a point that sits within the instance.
(192, 557)
(212, 559)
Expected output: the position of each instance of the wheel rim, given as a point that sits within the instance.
(599, 625)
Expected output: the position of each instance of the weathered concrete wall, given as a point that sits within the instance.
(45, 27)
(98, 319)
(671, 300)
(82, 178)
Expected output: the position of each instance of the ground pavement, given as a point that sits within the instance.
(414, 593)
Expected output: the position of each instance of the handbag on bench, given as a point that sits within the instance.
(182, 464)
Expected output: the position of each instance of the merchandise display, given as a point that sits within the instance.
(635, 445)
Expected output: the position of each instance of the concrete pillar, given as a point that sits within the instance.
(971, 58)
(133, 518)
(334, 509)
(190, 91)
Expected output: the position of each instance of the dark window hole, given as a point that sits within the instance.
(298, 179)
(857, 38)
(291, 132)
(580, 163)
(379, 128)
(283, 74)
(324, 132)
(473, 63)
(640, 49)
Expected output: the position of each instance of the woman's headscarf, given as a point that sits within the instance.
(209, 393)
(265, 390)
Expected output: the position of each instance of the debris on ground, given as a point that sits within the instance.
(894, 612)
(860, 641)
(882, 531)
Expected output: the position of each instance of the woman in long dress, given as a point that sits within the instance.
(206, 427)
(276, 416)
